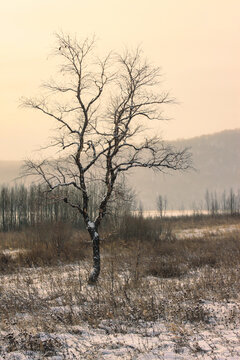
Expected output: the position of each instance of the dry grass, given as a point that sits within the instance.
(158, 278)
(124, 288)
(44, 245)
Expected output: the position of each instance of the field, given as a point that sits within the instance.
(168, 289)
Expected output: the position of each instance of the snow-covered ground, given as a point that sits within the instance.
(20, 339)
(207, 231)
(156, 340)
(168, 213)
(49, 321)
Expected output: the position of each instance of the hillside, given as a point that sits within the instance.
(216, 159)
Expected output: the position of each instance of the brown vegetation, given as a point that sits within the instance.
(149, 275)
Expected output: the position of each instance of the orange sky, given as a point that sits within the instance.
(196, 42)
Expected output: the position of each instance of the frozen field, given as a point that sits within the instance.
(52, 313)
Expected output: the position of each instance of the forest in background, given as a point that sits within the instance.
(216, 159)
(26, 206)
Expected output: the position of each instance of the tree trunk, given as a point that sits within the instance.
(92, 229)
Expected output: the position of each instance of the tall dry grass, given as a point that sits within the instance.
(150, 278)
(145, 275)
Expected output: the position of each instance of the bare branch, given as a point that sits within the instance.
(102, 109)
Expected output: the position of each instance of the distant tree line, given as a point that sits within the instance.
(161, 203)
(224, 203)
(22, 206)
(215, 203)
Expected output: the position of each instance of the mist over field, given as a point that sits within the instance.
(216, 160)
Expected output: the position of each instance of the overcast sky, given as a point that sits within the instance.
(196, 43)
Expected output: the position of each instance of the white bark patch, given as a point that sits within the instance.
(91, 225)
(95, 234)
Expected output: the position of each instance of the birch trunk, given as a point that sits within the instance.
(92, 229)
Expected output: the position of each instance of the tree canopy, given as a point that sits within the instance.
(105, 110)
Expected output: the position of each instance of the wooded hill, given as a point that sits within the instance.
(216, 159)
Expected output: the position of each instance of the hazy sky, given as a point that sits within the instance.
(196, 42)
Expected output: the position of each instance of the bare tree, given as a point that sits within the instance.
(102, 108)
(161, 205)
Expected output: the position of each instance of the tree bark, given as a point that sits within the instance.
(92, 229)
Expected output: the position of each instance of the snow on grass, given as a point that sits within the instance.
(218, 338)
(207, 231)
(88, 343)
(51, 313)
